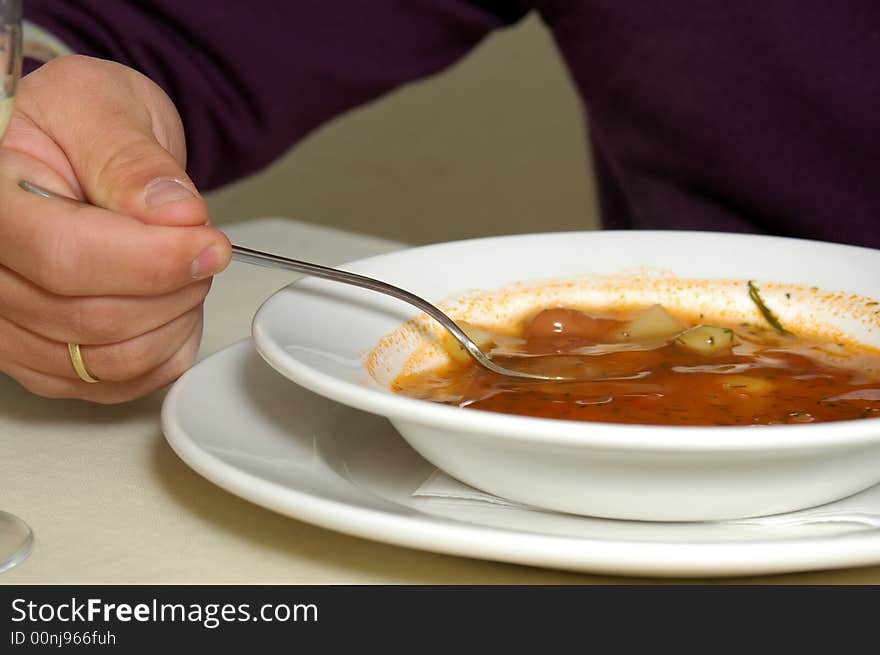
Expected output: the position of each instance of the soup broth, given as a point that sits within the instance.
(652, 367)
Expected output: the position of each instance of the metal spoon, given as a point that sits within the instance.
(268, 260)
(258, 258)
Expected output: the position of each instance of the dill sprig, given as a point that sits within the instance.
(768, 315)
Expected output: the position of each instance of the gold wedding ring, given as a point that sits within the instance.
(79, 365)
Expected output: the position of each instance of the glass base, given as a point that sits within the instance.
(16, 541)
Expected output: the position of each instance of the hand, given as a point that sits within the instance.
(124, 276)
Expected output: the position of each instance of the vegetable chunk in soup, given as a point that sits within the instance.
(651, 367)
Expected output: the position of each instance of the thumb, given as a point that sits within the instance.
(123, 138)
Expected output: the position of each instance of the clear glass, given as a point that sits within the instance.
(16, 538)
(10, 57)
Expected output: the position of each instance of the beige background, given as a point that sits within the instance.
(494, 145)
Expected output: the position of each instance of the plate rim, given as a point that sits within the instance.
(444, 535)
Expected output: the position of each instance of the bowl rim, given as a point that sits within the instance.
(561, 432)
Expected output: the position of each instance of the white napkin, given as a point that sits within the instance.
(862, 508)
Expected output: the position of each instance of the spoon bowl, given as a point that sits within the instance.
(259, 258)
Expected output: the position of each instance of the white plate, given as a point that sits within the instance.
(254, 433)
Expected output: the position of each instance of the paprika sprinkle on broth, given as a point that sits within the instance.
(651, 367)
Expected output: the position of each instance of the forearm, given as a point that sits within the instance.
(250, 79)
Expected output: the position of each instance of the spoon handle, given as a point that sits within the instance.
(269, 260)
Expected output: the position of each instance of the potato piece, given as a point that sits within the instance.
(456, 351)
(706, 340)
(747, 384)
(652, 323)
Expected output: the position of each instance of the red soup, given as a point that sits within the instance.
(654, 368)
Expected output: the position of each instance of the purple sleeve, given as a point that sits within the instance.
(251, 78)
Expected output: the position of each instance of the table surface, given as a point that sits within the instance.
(111, 503)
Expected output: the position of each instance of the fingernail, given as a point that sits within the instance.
(164, 190)
(207, 263)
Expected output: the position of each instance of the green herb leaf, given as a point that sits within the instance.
(768, 315)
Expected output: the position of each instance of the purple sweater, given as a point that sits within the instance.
(758, 115)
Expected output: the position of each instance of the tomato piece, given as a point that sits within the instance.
(563, 322)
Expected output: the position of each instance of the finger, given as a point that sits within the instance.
(118, 362)
(90, 320)
(71, 248)
(122, 137)
(50, 386)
